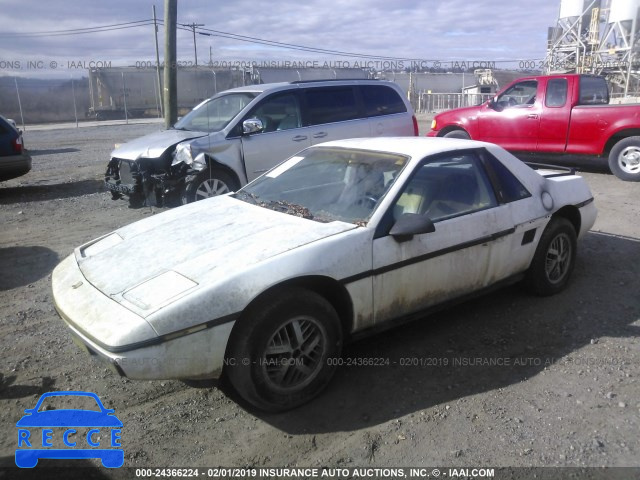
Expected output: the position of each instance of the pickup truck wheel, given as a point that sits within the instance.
(209, 184)
(280, 352)
(554, 259)
(624, 159)
(457, 134)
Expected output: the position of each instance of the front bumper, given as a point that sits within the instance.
(127, 342)
(433, 133)
(123, 177)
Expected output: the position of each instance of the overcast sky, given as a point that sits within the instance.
(442, 30)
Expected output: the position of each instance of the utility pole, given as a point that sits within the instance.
(155, 29)
(195, 48)
(170, 63)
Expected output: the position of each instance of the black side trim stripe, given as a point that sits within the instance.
(586, 202)
(427, 256)
(152, 341)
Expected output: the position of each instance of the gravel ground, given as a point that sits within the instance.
(504, 380)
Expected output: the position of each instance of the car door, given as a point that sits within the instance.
(455, 192)
(554, 120)
(513, 120)
(281, 137)
(333, 114)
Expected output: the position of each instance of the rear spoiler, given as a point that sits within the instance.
(551, 171)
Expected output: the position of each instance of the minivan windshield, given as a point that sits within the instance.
(214, 114)
(326, 184)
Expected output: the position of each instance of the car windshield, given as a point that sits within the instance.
(69, 402)
(214, 114)
(326, 184)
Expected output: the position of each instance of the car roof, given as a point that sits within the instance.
(263, 87)
(414, 147)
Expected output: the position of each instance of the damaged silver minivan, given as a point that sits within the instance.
(236, 135)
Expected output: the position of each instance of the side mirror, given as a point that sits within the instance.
(410, 224)
(493, 104)
(252, 125)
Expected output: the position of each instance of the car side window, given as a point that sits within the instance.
(447, 186)
(381, 100)
(522, 94)
(331, 104)
(556, 95)
(508, 188)
(278, 112)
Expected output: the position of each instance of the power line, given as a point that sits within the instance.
(304, 48)
(79, 31)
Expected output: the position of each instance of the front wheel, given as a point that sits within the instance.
(281, 351)
(554, 259)
(457, 134)
(209, 183)
(624, 159)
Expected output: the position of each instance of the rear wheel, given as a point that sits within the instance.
(457, 134)
(624, 159)
(280, 352)
(208, 184)
(554, 259)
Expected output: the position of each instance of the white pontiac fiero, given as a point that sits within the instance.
(342, 239)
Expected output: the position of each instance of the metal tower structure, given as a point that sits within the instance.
(600, 37)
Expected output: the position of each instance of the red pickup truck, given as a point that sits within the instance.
(556, 114)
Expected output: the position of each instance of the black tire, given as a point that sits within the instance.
(136, 200)
(624, 159)
(303, 332)
(554, 259)
(208, 184)
(457, 134)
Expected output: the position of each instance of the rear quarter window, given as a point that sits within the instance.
(330, 105)
(593, 91)
(381, 100)
(508, 188)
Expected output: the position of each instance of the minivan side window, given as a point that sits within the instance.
(278, 112)
(332, 104)
(381, 100)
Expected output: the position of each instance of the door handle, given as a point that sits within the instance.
(320, 135)
(299, 138)
(532, 115)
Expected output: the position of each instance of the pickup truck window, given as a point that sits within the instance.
(556, 95)
(519, 94)
(593, 91)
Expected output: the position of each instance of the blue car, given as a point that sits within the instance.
(40, 433)
(14, 159)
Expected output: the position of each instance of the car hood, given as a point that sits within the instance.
(463, 112)
(203, 241)
(154, 144)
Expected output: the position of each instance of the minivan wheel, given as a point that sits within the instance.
(208, 184)
(280, 353)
